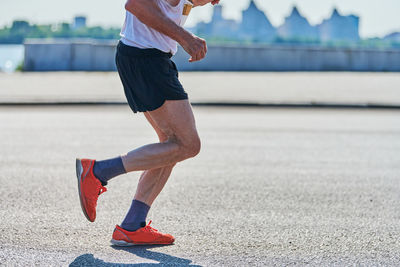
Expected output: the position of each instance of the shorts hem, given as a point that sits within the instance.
(142, 110)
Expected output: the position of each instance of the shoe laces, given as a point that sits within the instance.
(148, 228)
(102, 190)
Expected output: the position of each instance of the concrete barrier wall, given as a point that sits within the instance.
(92, 56)
(69, 56)
(273, 58)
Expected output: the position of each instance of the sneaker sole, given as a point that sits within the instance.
(121, 243)
(79, 171)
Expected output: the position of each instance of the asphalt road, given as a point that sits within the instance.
(271, 187)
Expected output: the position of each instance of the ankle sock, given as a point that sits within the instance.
(136, 217)
(107, 169)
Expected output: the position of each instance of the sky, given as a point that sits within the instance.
(378, 17)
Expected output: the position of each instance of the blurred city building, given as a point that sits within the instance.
(256, 27)
(393, 37)
(79, 22)
(297, 27)
(218, 27)
(341, 28)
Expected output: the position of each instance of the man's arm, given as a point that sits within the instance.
(149, 13)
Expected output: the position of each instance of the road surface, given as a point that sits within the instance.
(270, 187)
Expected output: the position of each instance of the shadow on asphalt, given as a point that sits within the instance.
(140, 251)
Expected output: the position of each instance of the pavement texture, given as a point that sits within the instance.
(270, 187)
(211, 87)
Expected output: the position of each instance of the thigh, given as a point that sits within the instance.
(161, 135)
(176, 120)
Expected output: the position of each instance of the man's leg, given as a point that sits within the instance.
(149, 187)
(152, 181)
(174, 123)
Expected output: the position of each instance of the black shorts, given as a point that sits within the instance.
(149, 77)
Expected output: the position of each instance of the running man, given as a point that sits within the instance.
(149, 38)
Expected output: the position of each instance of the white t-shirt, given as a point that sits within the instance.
(135, 33)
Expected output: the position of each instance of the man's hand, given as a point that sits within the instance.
(195, 47)
(204, 2)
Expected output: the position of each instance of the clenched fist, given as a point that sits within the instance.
(196, 47)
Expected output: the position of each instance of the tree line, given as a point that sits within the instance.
(20, 30)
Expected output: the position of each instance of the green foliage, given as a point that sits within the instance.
(297, 41)
(20, 67)
(20, 30)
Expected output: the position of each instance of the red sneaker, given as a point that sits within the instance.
(144, 236)
(89, 187)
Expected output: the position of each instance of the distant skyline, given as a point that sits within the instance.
(378, 17)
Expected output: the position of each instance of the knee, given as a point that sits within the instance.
(192, 147)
